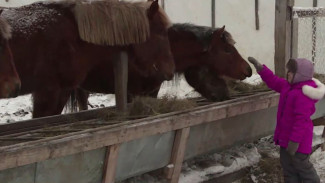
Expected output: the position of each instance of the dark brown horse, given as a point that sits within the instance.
(198, 52)
(56, 45)
(9, 79)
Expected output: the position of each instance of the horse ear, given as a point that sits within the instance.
(154, 7)
(219, 32)
(216, 37)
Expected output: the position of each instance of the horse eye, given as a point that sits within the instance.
(228, 51)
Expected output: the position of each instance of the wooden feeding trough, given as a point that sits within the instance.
(106, 150)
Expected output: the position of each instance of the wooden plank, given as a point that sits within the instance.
(213, 13)
(257, 18)
(282, 35)
(177, 155)
(26, 153)
(110, 163)
(121, 81)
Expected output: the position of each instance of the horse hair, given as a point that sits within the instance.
(202, 33)
(114, 23)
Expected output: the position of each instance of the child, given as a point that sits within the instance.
(294, 128)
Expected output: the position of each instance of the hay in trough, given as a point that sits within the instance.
(236, 87)
(112, 23)
(151, 106)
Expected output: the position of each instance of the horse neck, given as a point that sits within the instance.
(187, 51)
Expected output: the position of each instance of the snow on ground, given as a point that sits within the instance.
(231, 160)
(224, 163)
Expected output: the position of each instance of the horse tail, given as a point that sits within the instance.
(72, 103)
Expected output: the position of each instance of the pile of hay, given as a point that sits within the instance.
(142, 106)
(236, 87)
(268, 170)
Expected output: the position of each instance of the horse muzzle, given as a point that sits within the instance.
(15, 91)
(168, 77)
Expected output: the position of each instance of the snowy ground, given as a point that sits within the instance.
(247, 155)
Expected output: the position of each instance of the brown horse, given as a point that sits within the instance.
(9, 79)
(194, 48)
(56, 45)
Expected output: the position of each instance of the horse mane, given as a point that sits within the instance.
(203, 34)
(5, 29)
(114, 23)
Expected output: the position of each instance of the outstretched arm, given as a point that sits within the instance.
(272, 81)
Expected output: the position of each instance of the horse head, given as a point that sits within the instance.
(224, 57)
(9, 79)
(153, 57)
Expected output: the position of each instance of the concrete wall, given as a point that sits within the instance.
(237, 15)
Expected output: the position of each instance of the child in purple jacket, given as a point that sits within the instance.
(294, 128)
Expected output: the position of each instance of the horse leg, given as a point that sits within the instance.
(49, 103)
(45, 103)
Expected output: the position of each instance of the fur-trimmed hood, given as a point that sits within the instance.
(314, 93)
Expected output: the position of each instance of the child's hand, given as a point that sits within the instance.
(258, 66)
(292, 148)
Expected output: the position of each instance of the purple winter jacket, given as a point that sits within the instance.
(296, 105)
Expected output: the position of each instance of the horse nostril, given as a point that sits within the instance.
(168, 77)
(249, 71)
(16, 91)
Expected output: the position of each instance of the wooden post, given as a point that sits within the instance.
(314, 35)
(257, 17)
(173, 170)
(294, 39)
(121, 81)
(213, 13)
(110, 163)
(283, 11)
(163, 4)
